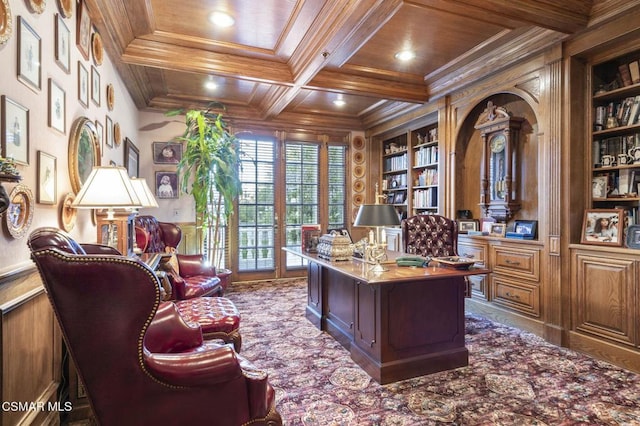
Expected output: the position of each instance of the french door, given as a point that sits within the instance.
(284, 184)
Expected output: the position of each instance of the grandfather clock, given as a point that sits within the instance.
(500, 167)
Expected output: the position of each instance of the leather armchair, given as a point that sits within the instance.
(194, 278)
(139, 361)
(430, 235)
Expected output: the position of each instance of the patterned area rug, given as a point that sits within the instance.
(513, 377)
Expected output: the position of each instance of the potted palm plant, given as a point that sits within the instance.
(209, 171)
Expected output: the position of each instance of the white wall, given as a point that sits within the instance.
(14, 253)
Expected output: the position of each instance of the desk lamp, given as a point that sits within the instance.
(107, 188)
(376, 216)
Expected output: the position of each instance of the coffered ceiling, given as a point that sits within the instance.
(286, 61)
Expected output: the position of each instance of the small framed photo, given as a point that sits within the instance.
(526, 227)
(15, 131)
(57, 107)
(599, 186)
(603, 227)
(29, 55)
(466, 225)
(167, 152)
(63, 41)
(95, 85)
(166, 185)
(83, 85)
(633, 237)
(131, 158)
(83, 29)
(108, 134)
(485, 224)
(47, 173)
(399, 197)
(498, 229)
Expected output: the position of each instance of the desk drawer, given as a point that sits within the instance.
(518, 296)
(477, 252)
(514, 261)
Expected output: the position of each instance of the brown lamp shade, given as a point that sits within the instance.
(377, 215)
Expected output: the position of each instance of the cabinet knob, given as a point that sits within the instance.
(512, 296)
(511, 262)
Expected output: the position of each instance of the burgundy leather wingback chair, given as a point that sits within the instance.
(430, 235)
(139, 361)
(194, 278)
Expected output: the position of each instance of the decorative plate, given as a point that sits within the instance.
(358, 157)
(358, 142)
(358, 199)
(358, 171)
(66, 8)
(96, 48)
(358, 186)
(455, 262)
(20, 211)
(37, 6)
(6, 21)
(67, 213)
(111, 96)
(117, 135)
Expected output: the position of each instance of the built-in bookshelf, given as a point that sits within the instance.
(424, 170)
(615, 152)
(395, 162)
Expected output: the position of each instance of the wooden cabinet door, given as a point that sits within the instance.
(604, 296)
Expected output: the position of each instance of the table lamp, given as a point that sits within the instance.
(107, 188)
(146, 200)
(377, 216)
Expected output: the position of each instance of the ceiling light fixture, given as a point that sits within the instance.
(339, 102)
(221, 19)
(405, 55)
(210, 84)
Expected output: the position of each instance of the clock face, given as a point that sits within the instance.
(497, 143)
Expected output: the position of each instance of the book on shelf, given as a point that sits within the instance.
(634, 70)
(625, 74)
(633, 113)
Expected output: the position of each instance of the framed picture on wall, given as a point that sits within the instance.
(100, 133)
(47, 172)
(108, 134)
(95, 85)
(63, 40)
(167, 152)
(15, 131)
(57, 107)
(83, 85)
(603, 227)
(83, 33)
(29, 55)
(166, 184)
(131, 158)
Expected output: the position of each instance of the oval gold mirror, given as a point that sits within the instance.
(84, 151)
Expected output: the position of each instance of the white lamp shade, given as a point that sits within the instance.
(107, 188)
(144, 192)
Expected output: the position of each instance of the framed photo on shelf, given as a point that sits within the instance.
(95, 85)
(29, 55)
(63, 40)
(599, 186)
(466, 225)
(83, 85)
(57, 107)
(15, 131)
(131, 158)
(633, 237)
(526, 227)
(485, 224)
(46, 193)
(166, 185)
(603, 227)
(399, 197)
(167, 152)
(498, 229)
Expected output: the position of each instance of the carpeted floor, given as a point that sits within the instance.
(513, 377)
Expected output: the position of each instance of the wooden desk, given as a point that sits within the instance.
(402, 323)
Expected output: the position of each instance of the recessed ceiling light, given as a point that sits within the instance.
(339, 102)
(221, 19)
(405, 55)
(210, 85)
